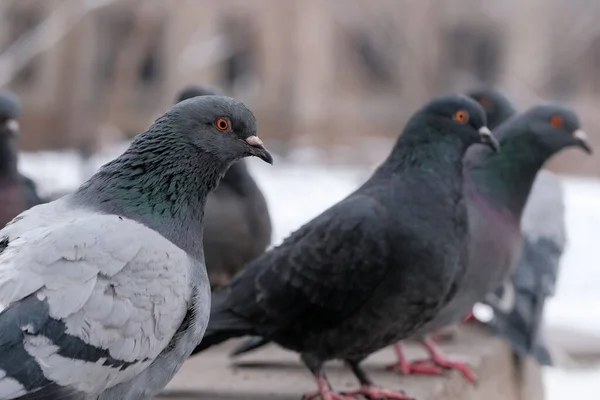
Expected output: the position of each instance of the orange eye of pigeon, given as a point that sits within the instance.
(556, 121)
(222, 124)
(461, 116)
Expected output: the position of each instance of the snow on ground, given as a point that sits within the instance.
(298, 191)
(572, 384)
(577, 302)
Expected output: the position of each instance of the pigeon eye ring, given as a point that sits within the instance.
(461, 116)
(222, 124)
(556, 121)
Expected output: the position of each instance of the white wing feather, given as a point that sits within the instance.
(543, 216)
(115, 283)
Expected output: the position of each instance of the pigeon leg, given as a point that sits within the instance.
(324, 391)
(369, 390)
(469, 317)
(404, 367)
(438, 359)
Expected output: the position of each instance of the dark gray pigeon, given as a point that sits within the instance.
(17, 192)
(335, 288)
(497, 187)
(496, 105)
(518, 309)
(237, 225)
(104, 293)
(519, 305)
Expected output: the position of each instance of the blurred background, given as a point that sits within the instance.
(331, 82)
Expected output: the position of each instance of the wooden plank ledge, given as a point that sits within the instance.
(275, 374)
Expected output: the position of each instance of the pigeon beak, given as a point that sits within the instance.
(581, 140)
(12, 125)
(486, 137)
(259, 150)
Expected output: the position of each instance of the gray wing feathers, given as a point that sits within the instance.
(89, 299)
(543, 226)
(519, 307)
(544, 214)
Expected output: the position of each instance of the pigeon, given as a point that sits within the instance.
(192, 91)
(544, 236)
(371, 269)
(237, 224)
(497, 106)
(104, 292)
(497, 187)
(518, 306)
(17, 192)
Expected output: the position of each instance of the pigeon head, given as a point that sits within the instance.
(198, 90)
(456, 116)
(496, 106)
(554, 127)
(10, 111)
(237, 172)
(163, 179)
(221, 126)
(528, 140)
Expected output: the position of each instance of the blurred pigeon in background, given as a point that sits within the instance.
(104, 293)
(518, 307)
(17, 192)
(496, 105)
(237, 224)
(366, 272)
(497, 187)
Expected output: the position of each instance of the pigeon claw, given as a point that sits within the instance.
(415, 368)
(375, 393)
(437, 357)
(404, 367)
(459, 366)
(434, 365)
(324, 391)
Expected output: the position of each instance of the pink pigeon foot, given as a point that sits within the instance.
(469, 317)
(405, 367)
(324, 392)
(434, 365)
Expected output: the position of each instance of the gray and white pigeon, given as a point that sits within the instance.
(497, 187)
(237, 224)
(371, 269)
(518, 306)
(104, 293)
(17, 192)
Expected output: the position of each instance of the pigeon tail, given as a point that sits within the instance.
(223, 324)
(249, 345)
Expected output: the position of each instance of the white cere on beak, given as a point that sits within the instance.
(254, 141)
(13, 125)
(484, 130)
(581, 135)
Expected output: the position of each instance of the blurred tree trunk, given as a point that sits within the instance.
(45, 36)
(129, 60)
